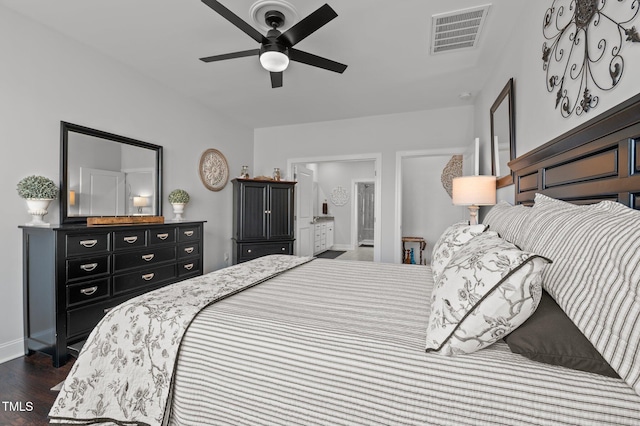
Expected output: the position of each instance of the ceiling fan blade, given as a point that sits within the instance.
(231, 55)
(276, 79)
(308, 25)
(235, 20)
(316, 61)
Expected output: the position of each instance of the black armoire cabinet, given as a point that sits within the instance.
(263, 218)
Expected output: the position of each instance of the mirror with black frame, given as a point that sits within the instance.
(503, 136)
(103, 174)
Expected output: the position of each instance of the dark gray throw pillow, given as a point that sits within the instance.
(549, 336)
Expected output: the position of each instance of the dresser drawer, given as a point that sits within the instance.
(252, 250)
(148, 256)
(87, 244)
(162, 236)
(189, 267)
(148, 277)
(129, 239)
(87, 291)
(188, 233)
(87, 267)
(81, 320)
(187, 250)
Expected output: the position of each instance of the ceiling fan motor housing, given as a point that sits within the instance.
(274, 19)
(274, 54)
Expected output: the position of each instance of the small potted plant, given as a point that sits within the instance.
(178, 199)
(38, 192)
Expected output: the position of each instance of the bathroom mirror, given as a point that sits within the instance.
(503, 135)
(103, 174)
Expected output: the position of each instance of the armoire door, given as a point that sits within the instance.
(253, 211)
(280, 211)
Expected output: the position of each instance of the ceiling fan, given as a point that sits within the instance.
(276, 48)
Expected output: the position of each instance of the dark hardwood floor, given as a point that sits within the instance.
(25, 389)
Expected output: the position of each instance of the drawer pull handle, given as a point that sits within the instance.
(163, 236)
(148, 257)
(249, 251)
(89, 267)
(148, 277)
(88, 243)
(188, 266)
(106, 310)
(130, 240)
(284, 248)
(188, 233)
(89, 291)
(188, 250)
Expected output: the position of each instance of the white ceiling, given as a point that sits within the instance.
(385, 45)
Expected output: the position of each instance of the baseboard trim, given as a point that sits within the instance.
(11, 350)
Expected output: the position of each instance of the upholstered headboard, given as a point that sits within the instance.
(598, 160)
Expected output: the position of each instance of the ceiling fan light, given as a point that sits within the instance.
(274, 61)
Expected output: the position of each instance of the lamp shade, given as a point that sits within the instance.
(474, 191)
(140, 201)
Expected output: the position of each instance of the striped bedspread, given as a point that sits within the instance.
(343, 343)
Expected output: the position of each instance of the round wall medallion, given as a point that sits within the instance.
(339, 196)
(213, 169)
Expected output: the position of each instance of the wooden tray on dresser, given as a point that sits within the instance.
(123, 220)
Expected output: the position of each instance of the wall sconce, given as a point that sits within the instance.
(140, 202)
(474, 191)
(72, 197)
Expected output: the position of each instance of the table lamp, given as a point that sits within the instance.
(474, 191)
(140, 202)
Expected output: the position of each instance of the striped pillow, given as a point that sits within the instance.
(595, 275)
(508, 221)
(486, 291)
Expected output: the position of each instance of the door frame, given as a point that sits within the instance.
(296, 207)
(354, 209)
(377, 165)
(401, 155)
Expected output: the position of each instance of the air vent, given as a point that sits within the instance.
(457, 30)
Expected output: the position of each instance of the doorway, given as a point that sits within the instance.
(365, 213)
(420, 214)
(333, 175)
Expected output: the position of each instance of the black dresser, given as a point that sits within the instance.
(263, 218)
(74, 274)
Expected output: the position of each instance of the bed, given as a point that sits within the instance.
(317, 341)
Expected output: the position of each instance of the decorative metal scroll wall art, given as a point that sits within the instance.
(581, 34)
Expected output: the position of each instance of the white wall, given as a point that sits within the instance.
(387, 134)
(537, 120)
(427, 209)
(45, 78)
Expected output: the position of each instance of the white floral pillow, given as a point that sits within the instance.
(451, 240)
(488, 288)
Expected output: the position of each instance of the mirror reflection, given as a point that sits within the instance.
(503, 135)
(501, 140)
(108, 175)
